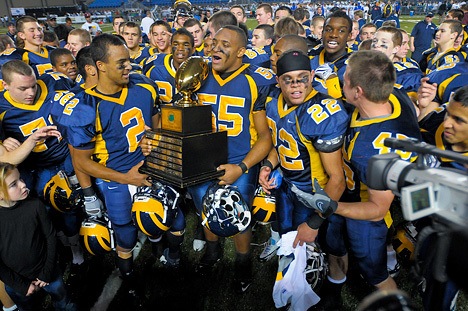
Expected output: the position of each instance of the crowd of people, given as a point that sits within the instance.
(307, 97)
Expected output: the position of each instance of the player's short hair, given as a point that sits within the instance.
(184, 32)
(295, 42)
(84, 58)
(390, 23)
(286, 26)
(50, 36)
(359, 13)
(457, 14)
(15, 66)
(268, 30)
(118, 17)
(365, 45)
(222, 18)
(192, 22)
(402, 31)
(266, 7)
(161, 23)
(455, 25)
(238, 7)
(397, 37)
(68, 19)
(102, 44)
(56, 53)
(299, 14)
(285, 8)
(6, 41)
(374, 72)
(367, 25)
(22, 20)
(461, 96)
(316, 19)
(132, 25)
(341, 14)
(83, 34)
(62, 31)
(240, 34)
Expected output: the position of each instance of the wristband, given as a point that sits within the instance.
(89, 191)
(315, 221)
(268, 163)
(243, 167)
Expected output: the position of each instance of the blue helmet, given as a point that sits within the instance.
(225, 212)
(263, 206)
(155, 208)
(97, 236)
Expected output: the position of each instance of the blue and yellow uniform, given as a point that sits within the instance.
(430, 60)
(200, 51)
(258, 56)
(300, 133)
(139, 60)
(160, 69)
(332, 86)
(408, 75)
(365, 138)
(432, 131)
(112, 126)
(234, 99)
(449, 78)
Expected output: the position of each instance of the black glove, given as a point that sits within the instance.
(319, 201)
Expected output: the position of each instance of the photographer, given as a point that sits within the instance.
(445, 127)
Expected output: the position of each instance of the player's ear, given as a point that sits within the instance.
(100, 65)
(241, 52)
(312, 75)
(5, 85)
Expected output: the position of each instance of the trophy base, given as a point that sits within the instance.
(185, 160)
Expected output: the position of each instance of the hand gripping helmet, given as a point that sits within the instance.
(316, 269)
(404, 242)
(263, 206)
(155, 208)
(63, 193)
(225, 212)
(97, 236)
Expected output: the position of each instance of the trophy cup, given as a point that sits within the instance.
(183, 149)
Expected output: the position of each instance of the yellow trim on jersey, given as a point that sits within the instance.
(443, 86)
(282, 112)
(395, 114)
(201, 47)
(350, 150)
(36, 105)
(151, 89)
(167, 64)
(253, 95)
(120, 100)
(222, 82)
(100, 149)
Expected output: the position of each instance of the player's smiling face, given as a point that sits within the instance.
(181, 49)
(117, 68)
(456, 126)
(66, 64)
(32, 34)
(160, 38)
(22, 88)
(227, 51)
(335, 35)
(295, 86)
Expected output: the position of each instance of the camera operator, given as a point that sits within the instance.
(380, 111)
(446, 127)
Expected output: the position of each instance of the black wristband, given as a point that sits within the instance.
(331, 209)
(89, 191)
(243, 167)
(268, 163)
(315, 221)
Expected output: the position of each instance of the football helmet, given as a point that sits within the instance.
(63, 193)
(317, 268)
(225, 212)
(97, 236)
(155, 208)
(404, 241)
(263, 206)
(182, 8)
(387, 10)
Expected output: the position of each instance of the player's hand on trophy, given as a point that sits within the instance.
(319, 201)
(324, 71)
(134, 177)
(231, 173)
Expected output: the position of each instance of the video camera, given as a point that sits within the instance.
(424, 191)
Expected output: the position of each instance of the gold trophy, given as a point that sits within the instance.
(183, 151)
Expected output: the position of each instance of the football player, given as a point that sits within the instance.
(244, 88)
(128, 103)
(306, 147)
(160, 37)
(139, 52)
(264, 14)
(63, 61)
(380, 111)
(161, 68)
(118, 20)
(78, 39)
(194, 26)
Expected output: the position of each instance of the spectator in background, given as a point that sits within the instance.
(376, 11)
(464, 8)
(91, 26)
(69, 24)
(239, 13)
(11, 31)
(359, 17)
(51, 23)
(146, 22)
(421, 36)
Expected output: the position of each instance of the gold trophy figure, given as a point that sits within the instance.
(182, 153)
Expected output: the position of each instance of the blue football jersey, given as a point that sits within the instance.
(448, 78)
(21, 120)
(233, 100)
(159, 68)
(139, 60)
(257, 56)
(111, 125)
(408, 75)
(300, 132)
(365, 138)
(430, 60)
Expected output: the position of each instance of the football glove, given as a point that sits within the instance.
(324, 71)
(319, 201)
(93, 206)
